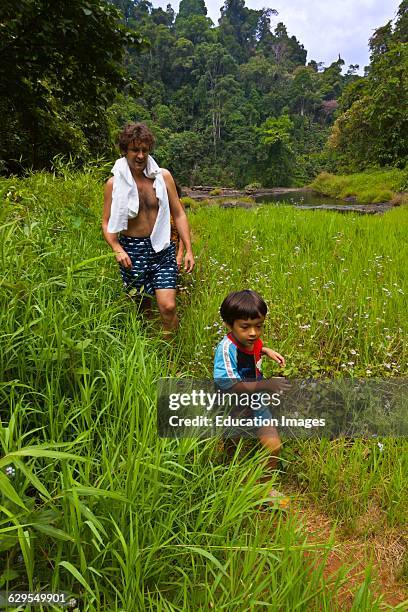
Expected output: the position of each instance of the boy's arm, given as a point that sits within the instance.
(227, 377)
(180, 219)
(273, 355)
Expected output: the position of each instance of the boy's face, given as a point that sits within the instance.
(247, 331)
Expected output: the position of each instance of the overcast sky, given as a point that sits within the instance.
(325, 27)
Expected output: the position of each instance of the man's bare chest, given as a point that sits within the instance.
(147, 196)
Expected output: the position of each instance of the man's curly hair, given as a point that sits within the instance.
(135, 132)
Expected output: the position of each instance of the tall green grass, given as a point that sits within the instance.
(92, 501)
(369, 186)
(337, 290)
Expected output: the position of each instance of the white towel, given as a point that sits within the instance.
(125, 201)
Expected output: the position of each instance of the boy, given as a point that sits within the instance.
(238, 360)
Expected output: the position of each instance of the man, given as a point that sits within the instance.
(138, 201)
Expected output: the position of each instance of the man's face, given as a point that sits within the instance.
(247, 331)
(137, 154)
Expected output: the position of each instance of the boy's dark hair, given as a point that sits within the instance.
(245, 304)
(132, 132)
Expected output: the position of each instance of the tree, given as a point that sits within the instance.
(182, 62)
(373, 126)
(332, 81)
(196, 28)
(279, 46)
(264, 24)
(304, 91)
(401, 26)
(160, 17)
(160, 53)
(188, 8)
(240, 28)
(185, 152)
(132, 10)
(257, 73)
(60, 69)
(275, 151)
(373, 131)
(380, 40)
(213, 64)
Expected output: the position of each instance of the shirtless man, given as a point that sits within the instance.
(144, 261)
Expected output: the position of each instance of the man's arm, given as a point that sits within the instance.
(112, 239)
(179, 254)
(180, 219)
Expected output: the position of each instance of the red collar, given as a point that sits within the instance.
(242, 348)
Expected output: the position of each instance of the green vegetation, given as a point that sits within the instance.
(236, 103)
(252, 187)
(372, 126)
(61, 69)
(231, 104)
(231, 202)
(224, 101)
(188, 202)
(91, 500)
(369, 186)
(215, 192)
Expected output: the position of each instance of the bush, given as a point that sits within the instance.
(382, 196)
(188, 202)
(374, 185)
(252, 187)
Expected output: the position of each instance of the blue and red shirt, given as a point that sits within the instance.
(234, 363)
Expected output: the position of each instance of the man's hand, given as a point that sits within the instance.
(180, 256)
(188, 261)
(179, 259)
(274, 355)
(123, 259)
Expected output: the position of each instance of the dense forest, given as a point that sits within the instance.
(234, 103)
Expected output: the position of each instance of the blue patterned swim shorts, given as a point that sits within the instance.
(150, 270)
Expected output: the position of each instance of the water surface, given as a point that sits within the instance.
(300, 198)
(312, 200)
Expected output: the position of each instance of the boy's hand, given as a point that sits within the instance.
(278, 385)
(274, 355)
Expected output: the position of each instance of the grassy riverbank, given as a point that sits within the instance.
(369, 186)
(92, 502)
